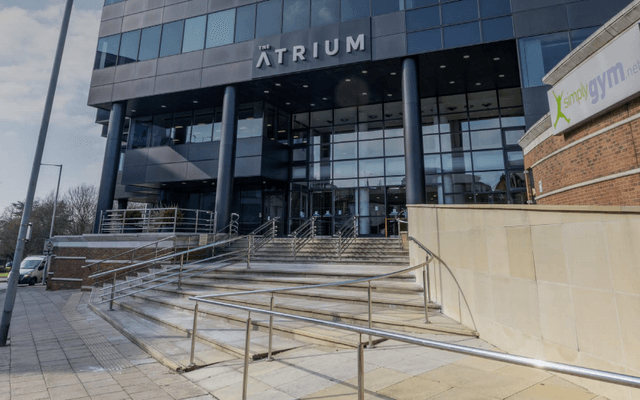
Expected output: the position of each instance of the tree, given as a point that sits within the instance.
(81, 202)
(74, 216)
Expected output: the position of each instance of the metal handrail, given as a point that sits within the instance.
(431, 255)
(589, 373)
(130, 251)
(401, 221)
(347, 234)
(154, 219)
(303, 235)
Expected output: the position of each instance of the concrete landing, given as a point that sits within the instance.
(61, 350)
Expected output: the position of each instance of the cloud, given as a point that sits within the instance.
(29, 31)
(27, 58)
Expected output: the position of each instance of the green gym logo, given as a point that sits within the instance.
(596, 90)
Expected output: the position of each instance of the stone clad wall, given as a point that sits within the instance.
(551, 282)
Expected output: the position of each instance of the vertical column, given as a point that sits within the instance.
(363, 211)
(413, 148)
(111, 161)
(227, 158)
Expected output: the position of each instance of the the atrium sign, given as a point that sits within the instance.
(606, 79)
(315, 48)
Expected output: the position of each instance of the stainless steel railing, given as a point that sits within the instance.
(347, 234)
(303, 235)
(156, 220)
(259, 238)
(589, 373)
(132, 253)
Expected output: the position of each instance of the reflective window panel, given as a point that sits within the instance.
(107, 54)
(539, 54)
(270, 18)
(194, 31)
(325, 12)
(354, 9)
(149, 43)
(129, 47)
(295, 15)
(245, 23)
(220, 28)
(171, 43)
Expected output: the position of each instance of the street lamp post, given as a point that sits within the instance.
(55, 203)
(12, 284)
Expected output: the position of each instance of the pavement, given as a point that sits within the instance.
(59, 350)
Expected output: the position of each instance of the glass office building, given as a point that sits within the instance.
(333, 108)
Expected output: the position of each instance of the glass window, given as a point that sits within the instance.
(345, 151)
(423, 18)
(489, 181)
(449, 104)
(512, 117)
(456, 162)
(370, 113)
(483, 120)
(425, 41)
(497, 29)
(194, 32)
(459, 11)
(456, 141)
(517, 180)
(344, 133)
(539, 54)
(434, 189)
(512, 136)
(371, 148)
(431, 144)
(321, 118)
(220, 28)
(510, 97)
(149, 43)
(245, 23)
(483, 100)
(394, 147)
(461, 35)
(579, 35)
(432, 164)
(393, 129)
(171, 43)
(371, 167)
(325, 12)
(295, 15)
(393, 110)
(346, 115)
(109, 2)
(300, 121)
(129, 47)
(458, 183)
(250, 120)
(486, 139)
(387, 6)
(202, 127)
(494, 8)
(270, 13)
(181, 128)
(320, 171)
(140, 132)
(345, 169)
(515, 159)
(419, 3)
(372, 130)
(107, 54)
(484, 160)
(161, 134)
(354, 9)
(299, 173)
(395, 166)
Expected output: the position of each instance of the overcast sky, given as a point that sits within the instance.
(29, 32)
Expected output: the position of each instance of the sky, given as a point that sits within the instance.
(29, 31)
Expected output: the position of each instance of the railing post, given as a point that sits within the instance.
(113, 292)
(425, 280)
(369, 291)
(124, 220)
(245, 377)
(360, 370)
(175, 220)
(193, 335)
(180, 273)
(250, 244)
(269, 358)
(156, 250)
(197, 215)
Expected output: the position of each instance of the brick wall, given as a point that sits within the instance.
(612, 152)
(63, 268)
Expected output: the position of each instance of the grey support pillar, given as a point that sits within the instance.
(414, 158)
(227, 158)
(111, 161)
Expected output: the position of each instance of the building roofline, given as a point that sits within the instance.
(629, 16)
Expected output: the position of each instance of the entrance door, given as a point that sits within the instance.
(274, 207)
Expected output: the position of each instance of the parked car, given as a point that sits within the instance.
(32, 269)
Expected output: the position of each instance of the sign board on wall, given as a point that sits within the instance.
(609, 77)
(321, 47)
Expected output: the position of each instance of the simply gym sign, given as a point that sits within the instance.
(607, 78)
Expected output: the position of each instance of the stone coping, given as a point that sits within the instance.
(538, 208)
(537, 129)
(600, 38)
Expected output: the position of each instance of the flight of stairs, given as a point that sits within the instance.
(160, 319)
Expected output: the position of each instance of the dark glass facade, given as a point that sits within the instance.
(319, 134)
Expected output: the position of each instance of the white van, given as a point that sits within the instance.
(32, 269)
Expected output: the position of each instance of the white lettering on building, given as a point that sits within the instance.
(298, 53)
